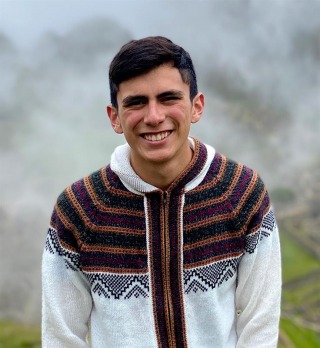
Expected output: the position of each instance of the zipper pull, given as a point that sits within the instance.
(165, 197)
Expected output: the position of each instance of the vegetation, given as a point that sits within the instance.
(294, 335)
(282, 195)
(296, 262)
(301, 294)
(15, 335)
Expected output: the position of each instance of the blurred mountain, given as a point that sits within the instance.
(94, 38)
(258, 66)
(52, 120)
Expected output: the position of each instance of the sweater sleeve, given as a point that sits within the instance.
(66, 299)
(258, 291)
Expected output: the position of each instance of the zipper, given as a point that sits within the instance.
(166, 276)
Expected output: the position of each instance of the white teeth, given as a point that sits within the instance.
(156, 137)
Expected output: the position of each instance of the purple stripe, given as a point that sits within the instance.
(119, 261)
(216, 249)
(95, 215)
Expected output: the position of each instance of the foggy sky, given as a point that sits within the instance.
(257, 63)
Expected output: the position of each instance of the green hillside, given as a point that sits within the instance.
(300, 323)
(15, 335)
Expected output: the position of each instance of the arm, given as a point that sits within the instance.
(66, 299)
(258, 291)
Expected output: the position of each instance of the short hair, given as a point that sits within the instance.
(138, 57)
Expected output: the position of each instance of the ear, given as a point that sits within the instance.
(197, 107)
(114, 119)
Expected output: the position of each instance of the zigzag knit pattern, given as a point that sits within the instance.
(119, 286)
(206, 277)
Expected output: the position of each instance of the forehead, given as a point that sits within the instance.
(162, 78)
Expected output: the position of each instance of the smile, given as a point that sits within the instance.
(156, 137)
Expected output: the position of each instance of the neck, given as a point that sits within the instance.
(161, 175)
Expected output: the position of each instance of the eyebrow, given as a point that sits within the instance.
(172, 92)
(132, 98)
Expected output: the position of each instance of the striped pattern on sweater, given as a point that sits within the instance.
(100, 227)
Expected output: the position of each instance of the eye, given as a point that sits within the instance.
(170, 98)
(135, 102)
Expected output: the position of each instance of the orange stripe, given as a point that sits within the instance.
(106, 208)
(220, 199)
(210, 240)
(208, 221)
(264, 213)
(105, 180)
(115, 250)
(66, 222)
(94, 227)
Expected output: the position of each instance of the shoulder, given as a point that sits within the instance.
(78, 194)
(232, 170)
(74, 205)
(243, 187)
(92, 181)
(227, 171)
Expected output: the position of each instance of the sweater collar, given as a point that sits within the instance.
(189, 178)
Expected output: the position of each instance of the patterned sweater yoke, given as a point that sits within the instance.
(167, 249)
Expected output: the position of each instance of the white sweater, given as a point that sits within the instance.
(127, 265)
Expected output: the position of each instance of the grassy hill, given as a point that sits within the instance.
(300, 323)
(15, 335)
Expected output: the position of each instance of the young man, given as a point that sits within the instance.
(172, 244)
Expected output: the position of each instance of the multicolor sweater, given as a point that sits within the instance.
(128, 265)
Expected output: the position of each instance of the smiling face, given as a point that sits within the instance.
(155, 113)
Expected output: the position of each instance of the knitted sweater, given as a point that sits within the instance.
(128, 265)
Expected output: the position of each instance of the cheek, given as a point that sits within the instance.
(130, 119)
(181, 114)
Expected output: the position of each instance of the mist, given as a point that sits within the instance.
(257, 64)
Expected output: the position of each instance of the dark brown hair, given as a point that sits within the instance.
(138, 57)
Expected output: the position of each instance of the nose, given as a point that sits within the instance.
(154, 114)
